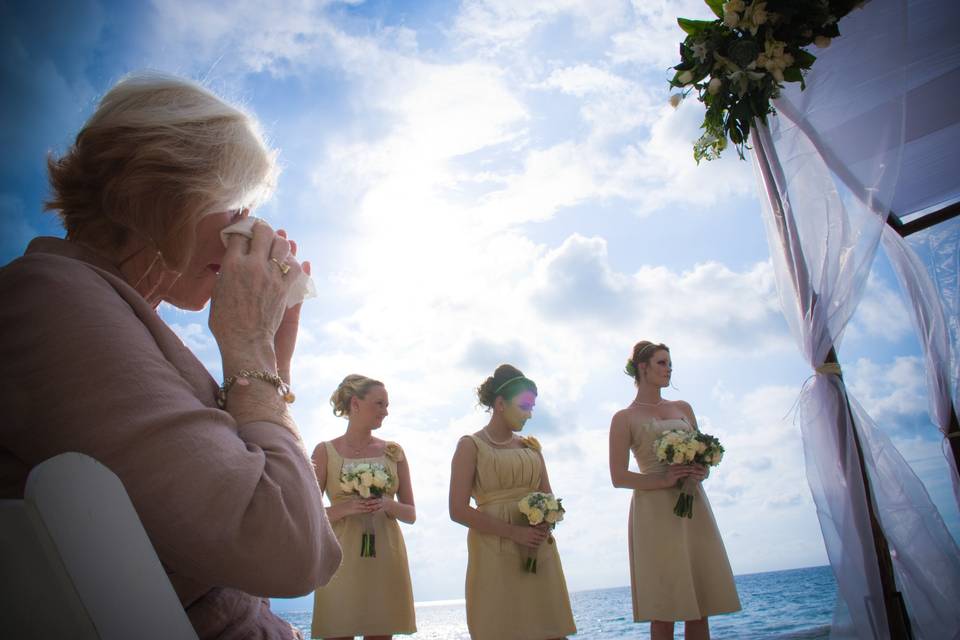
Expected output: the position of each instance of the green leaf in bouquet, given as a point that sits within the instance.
(736, 134)
(743, 111)
(793, 74)
(702, 71)
(714, 115)
(694, 27)
(716, 6)
(803, 58)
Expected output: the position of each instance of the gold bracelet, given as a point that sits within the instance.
(283, 389)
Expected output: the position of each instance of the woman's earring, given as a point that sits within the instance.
(157, 257)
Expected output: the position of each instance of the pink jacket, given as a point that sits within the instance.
(233, 511)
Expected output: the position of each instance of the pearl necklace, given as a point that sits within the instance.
(649, 404)
(356, 450)
(492, 441)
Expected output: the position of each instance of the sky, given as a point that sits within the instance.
(481, 182)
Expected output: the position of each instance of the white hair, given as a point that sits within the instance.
(159, 153)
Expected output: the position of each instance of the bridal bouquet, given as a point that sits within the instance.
(540, 507)
(678, 446)
(366, 479)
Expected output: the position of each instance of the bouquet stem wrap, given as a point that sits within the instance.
(530, 560)
(368, 543)
(684, 506)
(530, 557)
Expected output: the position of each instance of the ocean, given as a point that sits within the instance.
(779, 605)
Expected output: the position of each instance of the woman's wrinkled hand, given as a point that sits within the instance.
(285, 340)
(249, 298)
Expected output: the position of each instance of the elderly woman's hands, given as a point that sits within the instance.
(286, 339)
(249, 302)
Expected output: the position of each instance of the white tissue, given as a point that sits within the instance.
(300, 290)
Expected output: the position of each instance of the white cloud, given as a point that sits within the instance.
(194, 336)
(584, 79)
(889, 391)
(242, 37)
(881, 314)
(498, 26)
(732, 311)
(653, 39)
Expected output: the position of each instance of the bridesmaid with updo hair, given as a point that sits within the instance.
(497, 467)
(679, 569)
(368, 596)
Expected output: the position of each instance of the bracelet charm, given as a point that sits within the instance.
(245, 375)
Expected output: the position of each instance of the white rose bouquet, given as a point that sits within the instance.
(687, 447)
(366, 479)
(540, 507)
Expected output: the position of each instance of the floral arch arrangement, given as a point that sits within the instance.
(739, 62)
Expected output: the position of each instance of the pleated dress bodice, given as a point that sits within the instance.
(503, 477)
(503, 601)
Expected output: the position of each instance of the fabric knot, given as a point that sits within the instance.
(829, 368)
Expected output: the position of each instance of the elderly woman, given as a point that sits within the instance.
(218, 474)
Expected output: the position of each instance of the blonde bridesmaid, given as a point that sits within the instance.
(678, 566)
(497, 467)
(368, 596)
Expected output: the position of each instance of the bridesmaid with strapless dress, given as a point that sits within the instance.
(679, 569)
(678, 566)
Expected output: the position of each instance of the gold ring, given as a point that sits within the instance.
(284, 267)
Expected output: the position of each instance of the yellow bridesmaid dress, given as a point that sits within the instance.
(503, 601)
(678, 566)
(367, 596)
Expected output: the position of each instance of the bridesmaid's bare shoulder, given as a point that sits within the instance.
(467, 444)
(683, 407)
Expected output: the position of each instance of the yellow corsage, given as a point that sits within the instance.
(531, 442)
(393, 451)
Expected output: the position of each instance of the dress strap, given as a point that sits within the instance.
(331, 450)
(476, 441)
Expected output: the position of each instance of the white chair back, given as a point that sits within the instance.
(77, 563)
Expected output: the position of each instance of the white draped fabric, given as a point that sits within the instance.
(830, 168)
(937, 329)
